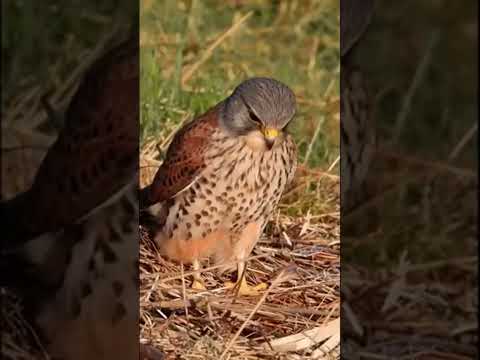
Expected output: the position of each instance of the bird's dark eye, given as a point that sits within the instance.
(254, 117)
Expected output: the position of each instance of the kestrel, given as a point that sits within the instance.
(223, 176)
(72, 241)
(99, 143)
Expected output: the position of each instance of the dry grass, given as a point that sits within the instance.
(24, 146)
(305, 298)
(409, 283)
(291, 306)
(191, 324)
(298, 256)
(193, 55)
(23, 149)
(409, 280)
(19, 340)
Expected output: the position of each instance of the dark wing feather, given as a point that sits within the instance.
(96, 153)
(184, 160)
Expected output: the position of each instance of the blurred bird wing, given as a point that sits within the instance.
(96, 153)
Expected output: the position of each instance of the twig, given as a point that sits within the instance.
(184, 291)
(434, 165)
(208, 53)
(464, 141)
(331, 167)
(188, 273)
(418, 77)
(277, 281)
(306, 339)
(319, 125)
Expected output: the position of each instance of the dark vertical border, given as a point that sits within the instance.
(36, 36)
(409, 250)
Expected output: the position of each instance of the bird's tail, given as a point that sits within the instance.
(13, 266)
(17, 272)
(144, 197)
(13, 233)
(152, 214)
(26, 259)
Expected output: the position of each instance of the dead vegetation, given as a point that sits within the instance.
(409, 279)
(24, 145)
(194, 53)
(298, 257)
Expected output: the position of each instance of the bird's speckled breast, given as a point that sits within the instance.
(238, 186)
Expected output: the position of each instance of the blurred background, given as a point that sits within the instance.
(195, 52)
(432, 45)
(421, 61)
(42, 43)
(412, 276)
(46, 48)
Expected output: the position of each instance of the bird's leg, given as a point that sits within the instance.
(241, 287)
(197, 283)
(243, 248)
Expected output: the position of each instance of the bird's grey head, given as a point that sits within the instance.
(258, 105)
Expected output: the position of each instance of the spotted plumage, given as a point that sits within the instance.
(224, 174)
(93, 313)
(70, 183)
(73, 235)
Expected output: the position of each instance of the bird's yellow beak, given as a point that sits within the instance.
(270, 135)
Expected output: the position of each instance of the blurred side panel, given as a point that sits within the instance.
(409, 228)
(69, 210)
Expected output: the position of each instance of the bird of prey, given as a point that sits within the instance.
(70, 243)
(222, 178)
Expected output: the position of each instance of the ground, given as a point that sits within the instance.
(415, 271)
(193, 54)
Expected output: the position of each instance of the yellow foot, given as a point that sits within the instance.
(198, 285)
(244, 289)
